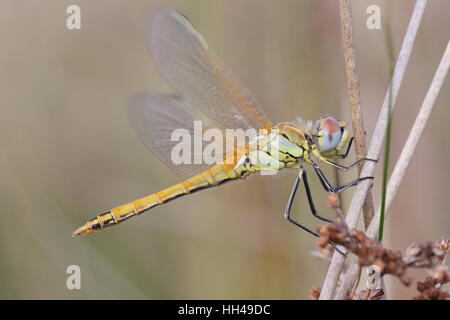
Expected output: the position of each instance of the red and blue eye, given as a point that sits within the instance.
(331, 134)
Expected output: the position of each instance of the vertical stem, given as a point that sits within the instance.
(387, 149)
(354, 96)
(390, 48)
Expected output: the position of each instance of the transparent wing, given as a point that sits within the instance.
(185, 61)
(159, 119)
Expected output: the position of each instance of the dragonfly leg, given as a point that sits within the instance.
(287, 212)
(344, 155)
(345, 168)
(310, 199)
(327, 185)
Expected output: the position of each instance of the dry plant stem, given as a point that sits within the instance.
(354, 96)
(404, 159)
(359, 133)
(376, 143)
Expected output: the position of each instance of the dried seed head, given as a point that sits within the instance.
(314, 293)
(323, 252)
(430, 289)
(443, 245)
(412, 252)
(440, 274)
(333, 201)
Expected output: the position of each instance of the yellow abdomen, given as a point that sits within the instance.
(217, 174)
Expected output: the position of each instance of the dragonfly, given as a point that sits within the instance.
(206, 89)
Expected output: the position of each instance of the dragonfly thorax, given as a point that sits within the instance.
(275, 151)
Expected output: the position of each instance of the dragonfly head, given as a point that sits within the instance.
(330, 136)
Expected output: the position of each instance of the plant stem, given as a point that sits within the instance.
(348, 41)
(387, 149)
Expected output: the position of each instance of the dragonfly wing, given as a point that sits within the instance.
(160, 120)
(193, 71)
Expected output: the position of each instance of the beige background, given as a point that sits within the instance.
(69, 153)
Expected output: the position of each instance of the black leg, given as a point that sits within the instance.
(287, 211)
(344, 155)
(327, 185)
(323, 179)
(351, 184)
(310, 200)
(345, 168)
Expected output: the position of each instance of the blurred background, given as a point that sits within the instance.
(68, 152)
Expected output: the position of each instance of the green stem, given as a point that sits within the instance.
(387, 145)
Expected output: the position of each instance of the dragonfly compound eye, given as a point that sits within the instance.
(330, 134)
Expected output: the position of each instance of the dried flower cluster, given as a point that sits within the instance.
(370, 252)
(431, 288)
(314, 293)
(334, 202)
(444, 245)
